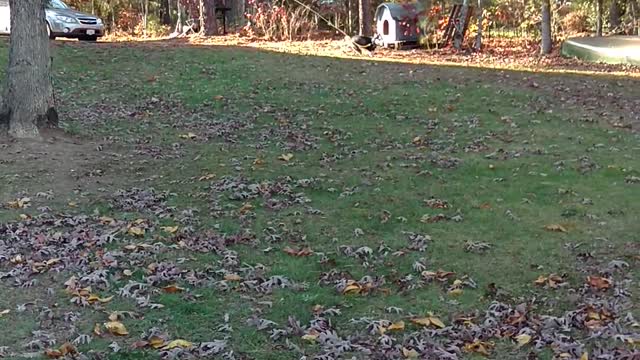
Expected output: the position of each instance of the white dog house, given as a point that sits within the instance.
(397, 24)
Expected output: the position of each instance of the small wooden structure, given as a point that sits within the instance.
(397, 24)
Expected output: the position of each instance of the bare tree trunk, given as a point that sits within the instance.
(599, 17)
(634, 11)
(614, 16)
(478, 44)
(28, 104)
(211, 23)
(166, 12)
(179, 21)
(364, 15)
(202, 15)
(349, 18)
(459, 36)
(547, 42)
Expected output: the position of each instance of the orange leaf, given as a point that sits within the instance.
(172, 289)
(598, 282)
(306, 251)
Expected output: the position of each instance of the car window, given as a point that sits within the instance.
(56, 4)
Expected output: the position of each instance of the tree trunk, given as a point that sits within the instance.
(634, 11)
(546, 28)
(599, 17)
(202, 18)
(478, 44)
(28, 103)
(458, 37)
(364, 15)
(166, 12)
(614, 16)
(179, 21)
(211, 23)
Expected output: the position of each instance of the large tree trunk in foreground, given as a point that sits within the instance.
(599, 9)
(210, 23)
(364, 15)
(546, 28)
(28, 103)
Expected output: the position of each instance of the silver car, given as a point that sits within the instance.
(62, 21)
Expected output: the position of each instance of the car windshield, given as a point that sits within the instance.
(56, 4)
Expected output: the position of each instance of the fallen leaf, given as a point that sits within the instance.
(135, 231)
(436, 322)
(169, 229)
(585, 356)
(421, 321)
(189, 136)
(68, 348)
(206, 177)
(479, 347)
(156, 342)
(598, 282)
(555, 228)
(397, 326)
(4, 312)
(232, 277)
(19, 203)
(53, 354)
(246, 207)
(352, 288)
(306, 251)
(116, 328)
(410, 354)
(310, 337)
(97, 329)
(95, 298)
(172, 289)
(218, 97)
(523, 339)
(127, 272)
(455, 292)
(285, 157)
(178, 343)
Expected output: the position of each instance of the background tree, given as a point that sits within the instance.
(364, 17)
(547, 41)
(210, 23)
(28, 104)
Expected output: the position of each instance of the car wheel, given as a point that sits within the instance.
(49, 33)
(89, 38)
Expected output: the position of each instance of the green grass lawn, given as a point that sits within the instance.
(388, 171)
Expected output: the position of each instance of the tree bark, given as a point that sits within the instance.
(202, 17)
(614, 16)
(478, 44)
(364, 15)
(179, 21)
(29, 103)
(211, 23)
(166, 12)
(547, 42)
(458, 37)
(599, 17)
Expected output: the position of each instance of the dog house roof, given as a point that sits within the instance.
(398, 11)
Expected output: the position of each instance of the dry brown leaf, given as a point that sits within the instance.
(424, 321)
(306, 251)
(206, 177)
(585, 356)
(598, 282)
(310, 337)
(480, 347)
(246, 207)
(68, 349)
(188, 136)
(53, 354)
(555, 228)
(4, 312)
(352, 288)
(436, 322)
(455, 292)
(397, 326)
(95, 298)
(156, 342)
(232, 277)
(97, 329)
(116, 328)
(172, 289)
(285, 157)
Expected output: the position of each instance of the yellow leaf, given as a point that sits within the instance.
(258, 162)
(421, 321)
(246, 207)
(179, 343)
(72, 204)
(310, 337)
(97, 329)
(156, 342)
(397, 326)
(95, 298)
(436, 322)
(170, 229)
(455, 292)
(555, 228)
(585, 356)
(53, 354)
(233, 277)
(417, 140)
(189, 136)
(25, 217)
(285, 157)
(353, 288)
(523, 339)
(479, 347)
(136, 231)
(410, 354)
(116, 328)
